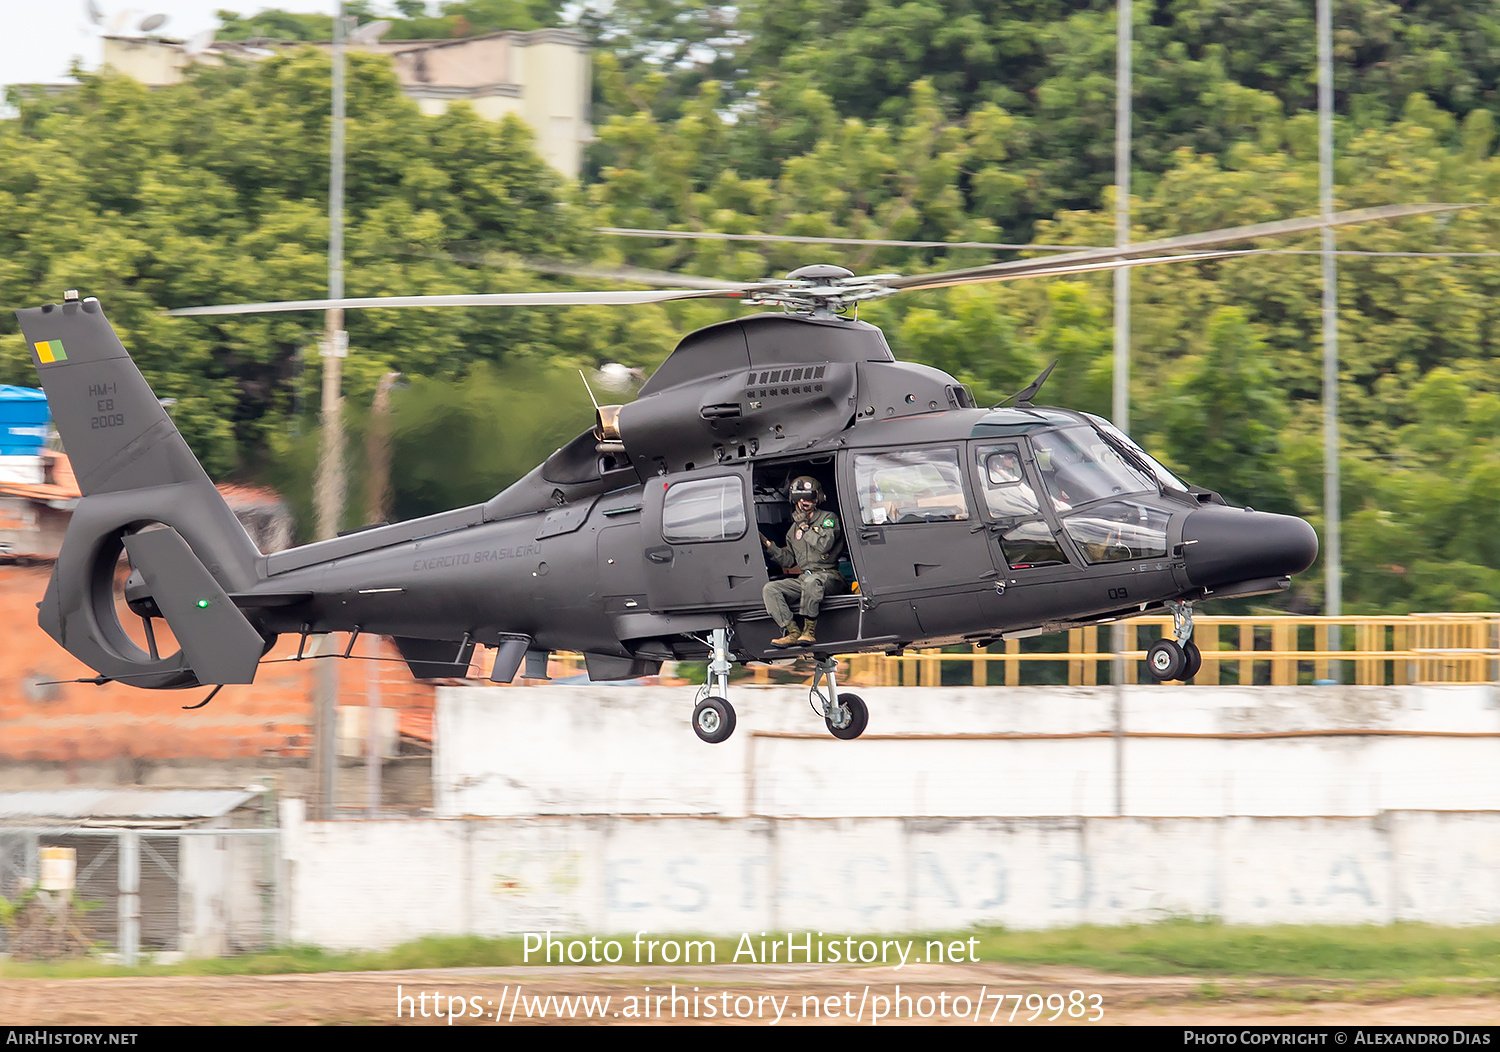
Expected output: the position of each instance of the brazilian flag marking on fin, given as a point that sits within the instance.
(50, 351)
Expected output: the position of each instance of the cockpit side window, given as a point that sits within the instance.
(1024, 535)
(1007, 494)
(914, 485)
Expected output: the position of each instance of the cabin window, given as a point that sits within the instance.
(1119, 532)
(704, 510)
(915, 485)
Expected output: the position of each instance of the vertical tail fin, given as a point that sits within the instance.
(135, 470)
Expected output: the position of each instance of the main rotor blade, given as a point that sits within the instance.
(500, 299)
(1051, 268)
(636, 275)
(797, 239)
(1023, 268)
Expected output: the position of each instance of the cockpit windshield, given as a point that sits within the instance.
(1079, 466)
(1165, 477)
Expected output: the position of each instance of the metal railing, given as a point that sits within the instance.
(1277, 651)
(1260, 650)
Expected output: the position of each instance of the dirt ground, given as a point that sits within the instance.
(746, 995)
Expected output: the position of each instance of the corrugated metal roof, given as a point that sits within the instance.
(130, 804)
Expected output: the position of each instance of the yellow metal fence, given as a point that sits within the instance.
(1279, 651)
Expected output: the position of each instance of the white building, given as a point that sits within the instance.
(544, 77)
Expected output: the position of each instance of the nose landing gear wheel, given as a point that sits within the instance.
(1194, 659)
(859, 718)
(1166, 660)
(713, 720)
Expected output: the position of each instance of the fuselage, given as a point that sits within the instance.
(644, 539)
(959, 524)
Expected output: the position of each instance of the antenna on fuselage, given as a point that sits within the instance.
(1024, 396)
(589, 389)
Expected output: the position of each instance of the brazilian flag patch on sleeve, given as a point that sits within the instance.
(828, 521)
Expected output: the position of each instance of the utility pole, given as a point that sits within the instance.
(378, 456)
(328, 493)
(1120, 407)
(1333, 603)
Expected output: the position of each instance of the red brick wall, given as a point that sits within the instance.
(79, 721)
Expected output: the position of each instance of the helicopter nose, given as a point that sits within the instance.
(1225, 545)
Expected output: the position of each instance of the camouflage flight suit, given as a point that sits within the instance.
(813, 546)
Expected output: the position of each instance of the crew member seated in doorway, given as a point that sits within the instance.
(813, 547)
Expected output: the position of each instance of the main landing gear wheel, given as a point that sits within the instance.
(1194, 659)
(858, 714)
(713, 720)
(1166, 660)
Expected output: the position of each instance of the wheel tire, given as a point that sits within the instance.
(1165, 660)
(1194, 659)
(714, 720)
(859, 718)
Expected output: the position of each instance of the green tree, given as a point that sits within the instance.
(1224, 416)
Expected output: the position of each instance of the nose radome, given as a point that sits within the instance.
(1224, 545)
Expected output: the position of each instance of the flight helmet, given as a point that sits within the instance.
(805, 487)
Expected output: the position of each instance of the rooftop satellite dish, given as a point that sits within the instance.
(199, 43)
(151, 22)
(91, 10)
(370, 32)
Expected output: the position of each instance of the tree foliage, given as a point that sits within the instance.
(930, 120)
(215, 191)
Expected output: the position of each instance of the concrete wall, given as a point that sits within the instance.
(224, 908)
(616, 819)
(1188, 751)
(376, 884)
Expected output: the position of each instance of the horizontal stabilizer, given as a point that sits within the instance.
(220, 645)
(262, 600)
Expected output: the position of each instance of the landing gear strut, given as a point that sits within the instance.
(845, 717)
(1178, 657)
(713, 716)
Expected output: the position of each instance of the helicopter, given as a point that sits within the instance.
(643, 540)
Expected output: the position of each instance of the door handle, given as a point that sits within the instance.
(659, 555)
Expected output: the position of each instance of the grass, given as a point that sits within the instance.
(1420, 959)
(1208, 948)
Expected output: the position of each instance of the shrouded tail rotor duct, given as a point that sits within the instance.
(109, 649)
(168, 584)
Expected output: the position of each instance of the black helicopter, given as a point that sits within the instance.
(640, 540)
